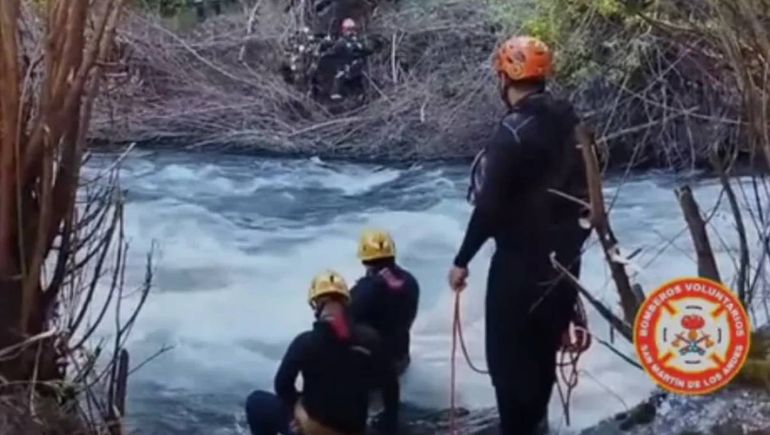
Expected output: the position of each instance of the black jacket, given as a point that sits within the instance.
(386, 298)
(340, 365)
(531, 151)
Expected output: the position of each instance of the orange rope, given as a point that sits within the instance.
(458, 328)
(452, 428)
(457, 335)
(570, 353)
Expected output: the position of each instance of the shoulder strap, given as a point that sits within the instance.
(477, 176)
(511, 122)
(514, 122)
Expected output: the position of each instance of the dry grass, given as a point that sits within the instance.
(654, 96)
(430, 93)
(652, 99)
(47, 417)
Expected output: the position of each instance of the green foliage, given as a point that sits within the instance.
(756, 370)
(510, 15)
(609, 8)
(582, 32)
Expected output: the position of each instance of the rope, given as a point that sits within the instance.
(570, 352)
(458, 332)
(452, 426)
(457, 336)
(569, 355)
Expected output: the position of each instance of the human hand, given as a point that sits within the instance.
(457, 278)
(294, 426)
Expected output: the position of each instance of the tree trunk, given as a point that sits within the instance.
(707, 266)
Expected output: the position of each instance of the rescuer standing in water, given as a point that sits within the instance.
(385, 298)
(527, 309)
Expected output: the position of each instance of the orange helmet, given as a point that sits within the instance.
(524, 57)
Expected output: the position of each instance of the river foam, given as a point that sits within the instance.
(239, 240)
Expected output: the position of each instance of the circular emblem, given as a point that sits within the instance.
(692, 336)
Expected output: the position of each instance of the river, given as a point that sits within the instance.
(238, 240)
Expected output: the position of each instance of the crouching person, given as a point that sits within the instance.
(340, 364)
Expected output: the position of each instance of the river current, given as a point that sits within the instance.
(238, 240)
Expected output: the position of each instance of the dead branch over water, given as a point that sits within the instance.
(62, 250)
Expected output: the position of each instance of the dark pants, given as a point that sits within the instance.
(267, 415)
(401, 364)
(526, 313)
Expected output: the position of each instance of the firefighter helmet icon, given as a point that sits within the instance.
(695, 341)
(692, 336)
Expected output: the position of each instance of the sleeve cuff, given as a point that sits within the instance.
(461, 262)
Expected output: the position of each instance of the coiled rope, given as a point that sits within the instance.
(573, 346)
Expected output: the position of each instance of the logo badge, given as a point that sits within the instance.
(692, 336)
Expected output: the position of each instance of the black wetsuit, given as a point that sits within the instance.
(526, 311)
(386, 298)
(340, 365)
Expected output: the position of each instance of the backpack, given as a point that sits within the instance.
(557, 180)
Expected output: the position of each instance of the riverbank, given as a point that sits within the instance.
(431, 90)
(741, 408)
(732, 411)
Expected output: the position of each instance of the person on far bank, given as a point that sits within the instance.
(349, 52)
(340, 363)
(528, 308)
(385, 298)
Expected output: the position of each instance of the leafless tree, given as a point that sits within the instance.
(62, 252)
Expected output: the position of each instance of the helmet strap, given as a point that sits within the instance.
(504, 85)
(318, 307)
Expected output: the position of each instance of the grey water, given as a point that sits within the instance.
(238, 239)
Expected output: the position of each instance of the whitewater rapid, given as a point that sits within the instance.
(238, 239)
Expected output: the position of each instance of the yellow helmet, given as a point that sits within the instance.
(375, 244)
(328, 283)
